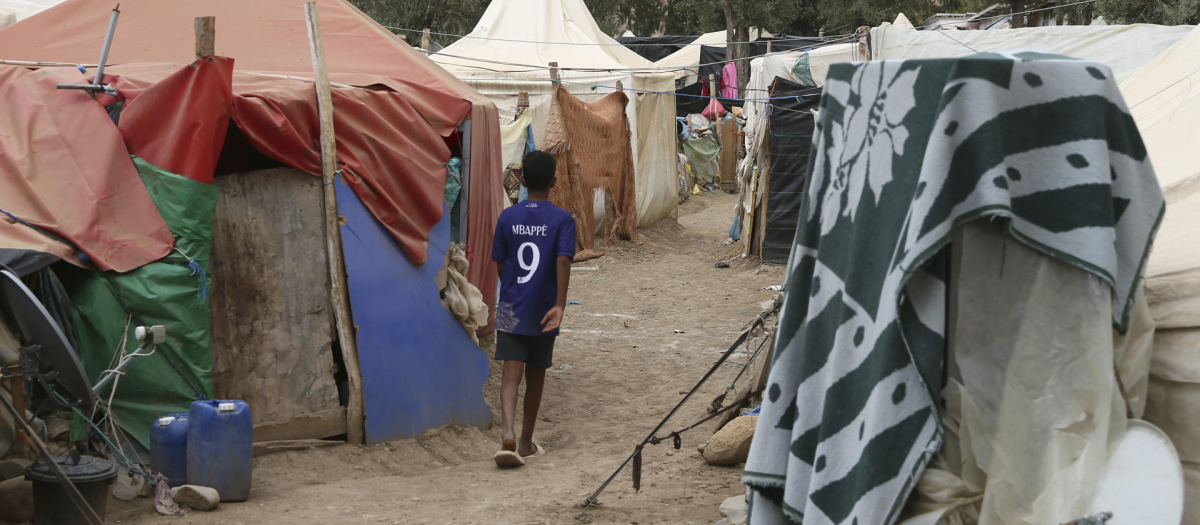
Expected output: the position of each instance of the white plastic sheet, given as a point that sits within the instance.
(1122, 48)
(1032, 403)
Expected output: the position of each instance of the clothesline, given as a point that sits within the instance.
(651, 69)
(644, 91)
(616, 44)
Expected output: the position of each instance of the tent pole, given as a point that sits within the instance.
(206, 38)
(554, 72)
(112, 27)
(425, 41)
(339, 295)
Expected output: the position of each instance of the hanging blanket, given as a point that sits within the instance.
(904, 152)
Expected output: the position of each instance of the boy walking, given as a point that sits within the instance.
(533, 249)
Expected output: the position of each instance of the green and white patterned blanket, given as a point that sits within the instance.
(906, 151)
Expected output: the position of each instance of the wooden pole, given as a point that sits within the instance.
(522, 103)
(620, 88)
(206, 39)
(712, 87)
(339, 295)
(24, 449)
(554, 72)
(425, 41)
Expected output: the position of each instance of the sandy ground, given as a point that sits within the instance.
(619, 367)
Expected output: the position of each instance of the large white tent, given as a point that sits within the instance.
(510, 51)
(1165, 102)
(1125, 49)
(13, 11)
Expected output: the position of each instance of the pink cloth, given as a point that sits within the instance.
(729, 81)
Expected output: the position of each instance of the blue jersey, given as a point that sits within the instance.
(530, 236)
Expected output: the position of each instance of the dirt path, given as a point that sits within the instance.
(620, 366)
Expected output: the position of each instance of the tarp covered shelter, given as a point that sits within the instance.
(714, 58)
(268, 37)
(190, 121)
(769, 226)
(799, 68)
(1166, 107)
(510, 51)
(1123, 48)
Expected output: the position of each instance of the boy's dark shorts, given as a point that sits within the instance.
(535, 350)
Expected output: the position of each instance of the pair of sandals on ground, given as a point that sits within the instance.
(508, 457)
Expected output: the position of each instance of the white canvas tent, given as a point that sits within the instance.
(1125, 49)
(1165, 103)
(13, 11)
(514, 43)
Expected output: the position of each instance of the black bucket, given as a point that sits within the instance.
(51, 503)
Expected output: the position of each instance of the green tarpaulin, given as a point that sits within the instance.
(171, 292)
(702, 154)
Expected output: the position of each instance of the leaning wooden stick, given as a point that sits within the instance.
(339, 294)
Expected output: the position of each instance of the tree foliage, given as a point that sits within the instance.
(1165, 12)
(455, 17)
(792, 17)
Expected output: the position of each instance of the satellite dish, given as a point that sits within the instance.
(59, 364)
(1143, 480)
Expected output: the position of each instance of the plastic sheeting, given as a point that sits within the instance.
(65, 170)
(763, 72)
(792, 125)
(654, 48)
(1122, 48)
(166, 292)
(1032, 403)
(702, 154)
(474, 60)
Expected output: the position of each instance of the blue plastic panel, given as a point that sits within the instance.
(419, 368)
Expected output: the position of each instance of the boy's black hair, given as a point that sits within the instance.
(538, 169)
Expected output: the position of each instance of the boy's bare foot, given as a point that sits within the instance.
(509, 444)
(529, 449)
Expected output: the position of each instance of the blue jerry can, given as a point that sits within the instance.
(220, 447)
(168, 448)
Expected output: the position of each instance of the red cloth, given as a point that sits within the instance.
(64, 169)
(179, 124)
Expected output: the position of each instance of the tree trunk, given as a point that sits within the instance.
(1018, 20)
(742, 56)
(731, 35)
(1088, 13)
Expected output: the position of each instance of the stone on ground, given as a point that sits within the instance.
(731, 445)
(732, 505)
(13, 468)
(196, 497)
(16, 500)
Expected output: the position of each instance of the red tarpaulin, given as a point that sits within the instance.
(64, 169)
(155, 39)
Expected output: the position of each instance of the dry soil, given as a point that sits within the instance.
(653, 318)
